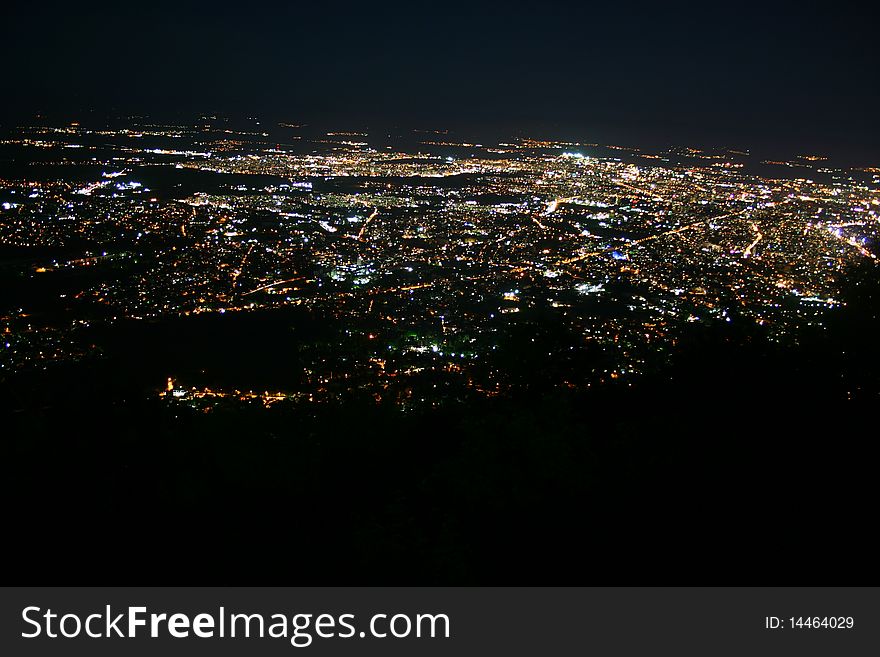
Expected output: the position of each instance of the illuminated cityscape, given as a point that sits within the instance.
(433, 258)
(398, 293)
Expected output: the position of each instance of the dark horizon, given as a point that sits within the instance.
(765, 77)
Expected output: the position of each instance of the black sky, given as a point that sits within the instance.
(796, 76)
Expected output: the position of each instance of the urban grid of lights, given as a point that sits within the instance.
(428, 254)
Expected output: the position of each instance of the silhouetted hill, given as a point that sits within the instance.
(736, 462)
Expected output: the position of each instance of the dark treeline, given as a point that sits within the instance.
(738, 461)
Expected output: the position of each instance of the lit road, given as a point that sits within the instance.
(758, 238)
(367, 223)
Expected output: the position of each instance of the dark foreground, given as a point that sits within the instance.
(739, 462)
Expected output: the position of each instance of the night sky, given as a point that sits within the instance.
(795, 77)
